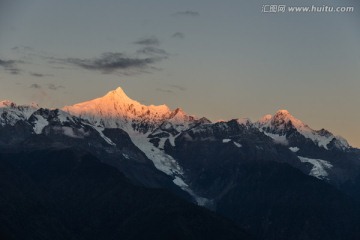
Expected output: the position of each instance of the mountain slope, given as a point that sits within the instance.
(277, 177)
(319, 153)
(278, 202)
(56, 129)
(69, 194)
(117, 110)
(256, 183)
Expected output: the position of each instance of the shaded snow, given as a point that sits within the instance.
(161, 160)
(68, 131)
(178, 181)
(40, 124)
(162, 143)
(294, 149)
(319, 167)
(164, 163)
(172, 139)
(200, 201)
(10, 113)
(281, 139)
(64, 117)
(237, 144)
(100, 131)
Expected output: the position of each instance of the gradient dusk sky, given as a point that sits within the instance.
(220, 59)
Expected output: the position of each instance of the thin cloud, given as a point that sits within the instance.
(178, 35)
(142, 61)
(50, 86)
(187, 13)
(151, 51)
(164, 90)
(178, 87)
(26, 48)
(150, 41)
(35, 86)
(54, 87)
(113, 62)
(40, 75)
(37, 74)
(10, 66)
(30, 53)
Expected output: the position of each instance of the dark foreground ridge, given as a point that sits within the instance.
(69, 194)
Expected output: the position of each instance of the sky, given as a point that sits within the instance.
(219, 59)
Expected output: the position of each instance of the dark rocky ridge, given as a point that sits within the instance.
(69, 194)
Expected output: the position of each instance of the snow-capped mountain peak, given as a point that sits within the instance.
(7, 103)
(265, 119)
(118, 96)
(283, 118)
(11, 113)
(284, 124)
(116, 109)
(244, 121)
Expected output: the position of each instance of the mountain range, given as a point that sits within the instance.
(275, 178)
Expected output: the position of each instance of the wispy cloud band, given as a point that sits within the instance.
(112, 62)
(187, 13)
(10, 66)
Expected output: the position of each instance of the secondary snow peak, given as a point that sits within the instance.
(283, 124)
(7, 103)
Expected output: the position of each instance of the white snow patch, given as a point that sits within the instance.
(164, 163)
(162, 143)
(161, 160)
(341, 143)
(100, 131)
(64, 117)
(68, 131)
(321, 141)
(319, 167)
(11, 114)
(294, 149)
(178, 181)
(200, 200)
(40, 124)
(226, 140)
(204, 201)
(172, 139)
(280, 139)
(237, 144)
